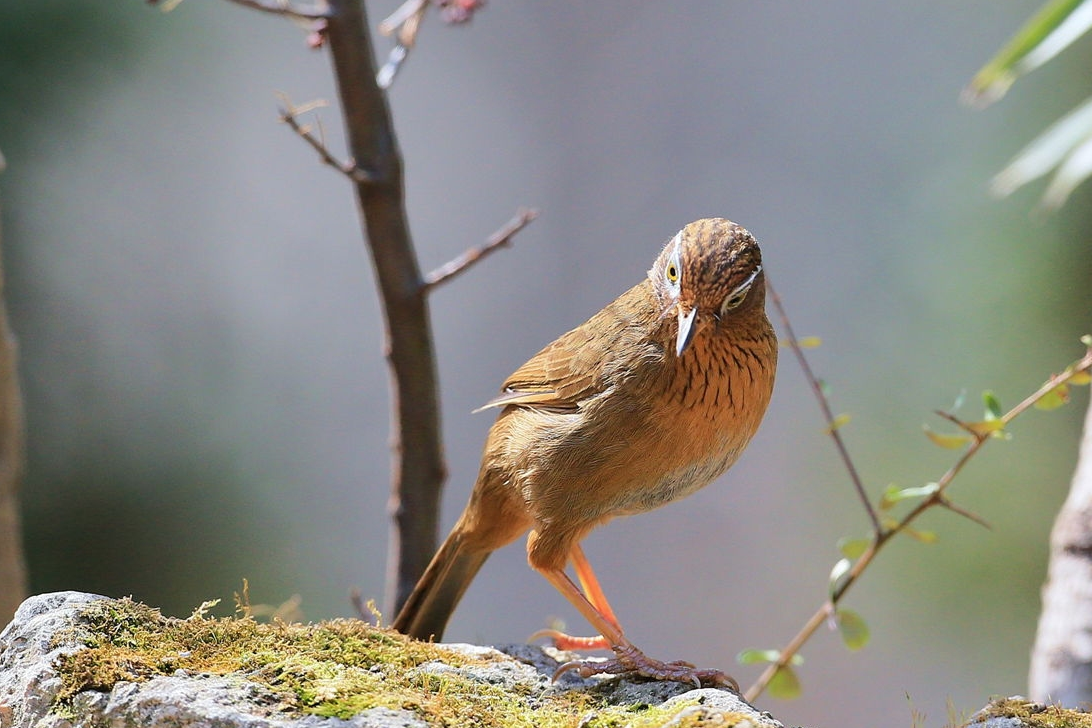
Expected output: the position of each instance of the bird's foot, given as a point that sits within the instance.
(629, 660)
(568, 643)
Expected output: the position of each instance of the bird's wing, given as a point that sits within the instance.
(571, 369)
(558, 377)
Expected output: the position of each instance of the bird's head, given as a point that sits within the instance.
(708, 275)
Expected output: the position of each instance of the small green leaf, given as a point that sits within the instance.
(951, 442)
(852, 548)
(894, 494)
(1081, 378)
(920, 536)
(853, 629)
(993, 405)
(840, 420)
(986, 427)
(754, 657)
(1053, 399)
(785, 685)
(1087, 340)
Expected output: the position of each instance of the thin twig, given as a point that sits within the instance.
(824, 405)
(500, 239)
(283, 8)
(405, 22)
(289, 115)
(401, 16)
(938, 497)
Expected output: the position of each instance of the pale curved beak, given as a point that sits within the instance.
(686, 329)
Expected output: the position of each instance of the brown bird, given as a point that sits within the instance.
(648, 401)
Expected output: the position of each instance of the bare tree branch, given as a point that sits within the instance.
(500, 239)
(13, 574)
(289, 114)
(419, 468)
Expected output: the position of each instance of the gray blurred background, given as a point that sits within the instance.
(201, 345)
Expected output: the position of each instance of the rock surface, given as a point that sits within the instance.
(45, 629)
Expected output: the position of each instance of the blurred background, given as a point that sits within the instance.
(202, 349)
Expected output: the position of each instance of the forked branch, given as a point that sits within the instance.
(937, 497)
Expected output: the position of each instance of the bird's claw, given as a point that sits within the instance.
(633, 662)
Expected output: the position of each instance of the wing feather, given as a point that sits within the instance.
(571, 369)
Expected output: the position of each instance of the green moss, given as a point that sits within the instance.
(337, 668)
(1035, 715)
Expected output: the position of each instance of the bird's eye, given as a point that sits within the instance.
(672, 272)
(734, 300)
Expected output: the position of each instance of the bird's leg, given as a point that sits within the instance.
(590, 586)
(627, 658)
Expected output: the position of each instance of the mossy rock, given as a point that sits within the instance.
(72, 659)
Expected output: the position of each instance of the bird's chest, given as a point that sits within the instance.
(701, 422)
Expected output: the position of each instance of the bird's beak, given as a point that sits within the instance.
(686, 329)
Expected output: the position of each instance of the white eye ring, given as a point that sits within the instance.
(736, 296)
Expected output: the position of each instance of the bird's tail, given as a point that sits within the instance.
(430, 604)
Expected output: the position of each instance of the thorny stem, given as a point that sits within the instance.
(824, 404)
(882, 536)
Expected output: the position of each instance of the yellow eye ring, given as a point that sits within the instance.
(672, 272)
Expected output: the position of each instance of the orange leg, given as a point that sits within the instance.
(592, 604)
(594, 593)
(627, 658)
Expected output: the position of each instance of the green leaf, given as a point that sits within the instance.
(1055, 148)
(986, 427)
(785, 685)
(894, 494)
(1087, 340)
(920, 536)
(853, 629)
(838, 422)
(1048, 32)
(993, 405)
(852, 548)
(951, 442)
(1074, 169)
(1053, 399)
(754, 657)
(1081, 378)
